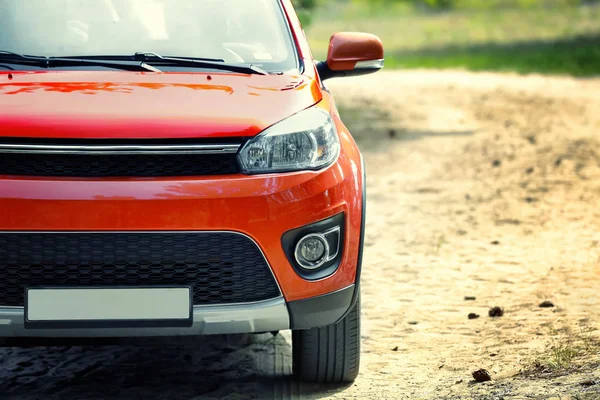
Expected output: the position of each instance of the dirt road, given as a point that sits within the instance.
(480, 185)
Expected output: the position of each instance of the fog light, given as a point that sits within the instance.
(312, 251)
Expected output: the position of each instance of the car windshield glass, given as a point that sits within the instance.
(233, 31)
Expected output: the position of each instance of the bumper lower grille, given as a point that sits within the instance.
(221, 267)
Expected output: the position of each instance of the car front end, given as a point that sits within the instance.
(228, 236)
(145, 202)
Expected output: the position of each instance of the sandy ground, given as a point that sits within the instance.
(480, 185)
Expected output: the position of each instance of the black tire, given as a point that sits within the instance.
(330, 354)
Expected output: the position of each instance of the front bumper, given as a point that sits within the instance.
(263, 316)
(263, 208)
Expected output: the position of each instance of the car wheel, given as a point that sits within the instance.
(330, 354)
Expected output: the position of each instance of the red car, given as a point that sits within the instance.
(179, 168)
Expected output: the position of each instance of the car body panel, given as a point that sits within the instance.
(116, 104)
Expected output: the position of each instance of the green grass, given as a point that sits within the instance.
(567, 350)
(578, 56)
(555, 40)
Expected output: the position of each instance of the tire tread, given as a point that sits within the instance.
(329, 354)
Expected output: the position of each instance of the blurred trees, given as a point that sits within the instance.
(305, 8)
(440, 4)
(307, 5)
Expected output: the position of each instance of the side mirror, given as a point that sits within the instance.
(352, 54)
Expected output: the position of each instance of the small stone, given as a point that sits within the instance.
(496, 163)
(473, 316)
(546, 304)
(496, 242)
(470, 298)
(589, 382)
(25, 364)
(529, 171)
(493, 354)
(482, 375)
(496, 312)
(413, 323)
(395, 348)
(392, 133)
(458, 381)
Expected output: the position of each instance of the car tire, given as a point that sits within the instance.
(329, 354)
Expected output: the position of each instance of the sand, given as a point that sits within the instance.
(479, 185)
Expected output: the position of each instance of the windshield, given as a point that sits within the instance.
(234, 31)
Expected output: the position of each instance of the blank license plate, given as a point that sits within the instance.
(105, 308)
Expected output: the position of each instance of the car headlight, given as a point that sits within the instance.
(305, 141)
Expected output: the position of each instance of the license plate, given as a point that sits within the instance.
(80, 308)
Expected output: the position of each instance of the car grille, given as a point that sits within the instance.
(96, 166)
(80, 158)
(221, 267)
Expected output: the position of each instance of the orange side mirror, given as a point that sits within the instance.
(352, 53)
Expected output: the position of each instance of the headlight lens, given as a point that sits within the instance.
(305, 141)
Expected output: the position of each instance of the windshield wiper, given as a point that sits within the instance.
(52, 62)
(124, 65)
(22, 59)
(137, 62)
(20, 56)
(199, 63)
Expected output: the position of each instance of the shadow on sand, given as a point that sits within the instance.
(211, 367)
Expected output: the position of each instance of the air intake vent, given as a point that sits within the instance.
(221, 267)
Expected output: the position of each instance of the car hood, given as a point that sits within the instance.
(68, 104)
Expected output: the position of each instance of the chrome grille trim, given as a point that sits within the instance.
(120, 149)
